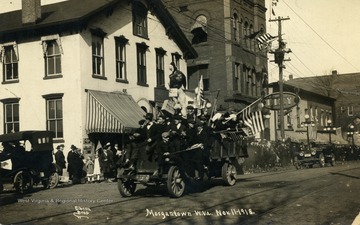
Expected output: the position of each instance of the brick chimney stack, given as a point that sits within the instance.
(334, 72)
(31, 11)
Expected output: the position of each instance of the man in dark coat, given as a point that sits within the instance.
(60, 158)
(106, 160)
(151, 134)
(76, 164)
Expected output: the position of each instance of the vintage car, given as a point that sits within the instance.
(227, 149)
(27, 159)
(307, 156)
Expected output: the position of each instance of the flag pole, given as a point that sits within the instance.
(214, 106)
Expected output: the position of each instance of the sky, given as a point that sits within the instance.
(323, 36)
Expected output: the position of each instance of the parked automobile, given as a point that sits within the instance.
(27, 159)
(307, 156)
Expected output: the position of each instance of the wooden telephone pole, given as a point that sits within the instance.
(279, 59)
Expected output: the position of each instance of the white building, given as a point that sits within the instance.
(78, 68)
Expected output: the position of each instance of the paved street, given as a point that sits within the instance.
(309, 196)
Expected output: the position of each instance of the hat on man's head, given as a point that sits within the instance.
(107, 145)
(73, 147)
(60, 146)
(165, 134)
(149, 116)
(190, 107)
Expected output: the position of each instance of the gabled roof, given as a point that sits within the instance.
(58, 13)
(80, 11)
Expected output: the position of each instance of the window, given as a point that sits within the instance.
(236, 77)
(11, 116)
(160, 73)
(199, 30)
(97, 55)
(120, 43)
(10, 62)
(139, 19)
(236, 28)
(246, 32)
(54, 114)
(350, 110)
(141, 63)
(52, 58)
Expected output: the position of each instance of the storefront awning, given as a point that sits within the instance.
(336, 139)
(298, 136)
(111, 112)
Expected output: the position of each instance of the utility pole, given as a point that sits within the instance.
(279, 59)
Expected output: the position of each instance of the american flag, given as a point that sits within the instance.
(264, 40)
(253, 118)
(200, 100)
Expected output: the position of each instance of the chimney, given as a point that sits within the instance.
(291, 76)
(31, 11)
(334, 72)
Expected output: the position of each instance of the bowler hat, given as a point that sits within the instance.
(73, 147)
(60, 146)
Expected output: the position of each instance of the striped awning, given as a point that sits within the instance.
(111, 112)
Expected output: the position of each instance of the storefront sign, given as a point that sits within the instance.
(272, 101)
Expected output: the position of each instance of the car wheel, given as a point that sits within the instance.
(175, 182)
(228, 173)
(126, 187)
(23, 182)
(332, 161)
(322, 160)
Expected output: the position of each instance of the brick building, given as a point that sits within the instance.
(228, 57)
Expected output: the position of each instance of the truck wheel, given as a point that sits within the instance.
(322, 160)
(175, 182)
(332, 160)
(23, 182)
(126, 187)
(228, 173)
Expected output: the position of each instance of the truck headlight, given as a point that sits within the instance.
(301, 154)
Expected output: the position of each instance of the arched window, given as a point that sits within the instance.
(139, 12)
(199, 30)
(245, 33)
(236, 32)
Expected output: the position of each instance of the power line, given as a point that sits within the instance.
(320, 36)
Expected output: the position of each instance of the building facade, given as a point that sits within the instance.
(223, 33)
(83, 69)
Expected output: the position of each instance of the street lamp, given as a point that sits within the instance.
(307, 123)
(350, 133)
(329, 129)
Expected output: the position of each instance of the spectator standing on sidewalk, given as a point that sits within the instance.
(60, 158)
(107, 165)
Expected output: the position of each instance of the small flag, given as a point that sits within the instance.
(200, 100)
(264, 40)
(253, 119)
